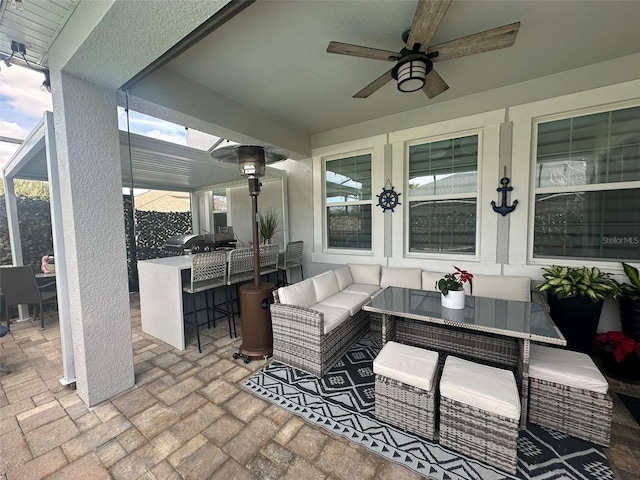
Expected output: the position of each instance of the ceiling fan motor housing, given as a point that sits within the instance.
(411, 71)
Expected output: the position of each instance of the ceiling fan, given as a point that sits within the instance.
(414, 63)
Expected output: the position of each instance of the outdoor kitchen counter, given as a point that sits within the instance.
(161, 310)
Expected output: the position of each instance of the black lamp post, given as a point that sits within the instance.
(257, 336)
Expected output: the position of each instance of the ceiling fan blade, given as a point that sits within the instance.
(428, 17)
(378, 83)
(494, 39)
(434, 85)
(364, 52)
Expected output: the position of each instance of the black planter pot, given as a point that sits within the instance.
(577, 318)
(630, 318)
(627, 369)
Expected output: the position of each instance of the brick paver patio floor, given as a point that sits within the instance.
(186, 417)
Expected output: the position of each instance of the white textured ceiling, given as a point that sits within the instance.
(272, 56)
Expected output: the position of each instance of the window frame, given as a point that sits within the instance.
(524, 148)
(453, 196)
(328, 205)
(373, 146)
(590, 187)
(487, 126)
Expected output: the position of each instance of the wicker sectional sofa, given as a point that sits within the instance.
(317, 320)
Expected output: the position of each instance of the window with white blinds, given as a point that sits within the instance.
(442, 187)
(587, 186)
(348, 202)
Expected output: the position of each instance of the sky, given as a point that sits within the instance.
(22, 105)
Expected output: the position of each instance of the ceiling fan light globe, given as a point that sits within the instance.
(411, 76)
(411, 72)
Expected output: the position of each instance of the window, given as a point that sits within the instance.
(219, 210)
(348, 202)
(442, 185)
(587, 186)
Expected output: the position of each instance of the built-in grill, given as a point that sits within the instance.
(192, 243)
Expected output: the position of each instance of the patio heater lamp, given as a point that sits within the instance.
(257, 336)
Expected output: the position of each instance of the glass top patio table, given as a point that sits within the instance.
(503, 317)
(523, 322)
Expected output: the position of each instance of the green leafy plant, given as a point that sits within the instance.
(454, 281)
(267, 224)
(567, 282)
(630, 290)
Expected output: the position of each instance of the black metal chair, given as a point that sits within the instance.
(19, 287)
(208, 271)
(291, 258)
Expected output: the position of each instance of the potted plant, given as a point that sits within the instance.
(451, 288)
(629, 295)
(575, 296)
(620, 355)
(267, 225)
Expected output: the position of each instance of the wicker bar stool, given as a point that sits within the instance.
(480, 412)
(240, 270)
(269, 260)
(208, 272)
(567, 392)
(292, 257)
(406, 388)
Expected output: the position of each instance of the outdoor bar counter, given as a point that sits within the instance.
(161, 307)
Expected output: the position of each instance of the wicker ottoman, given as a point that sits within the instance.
(480, 412)
(567, 392)
(406, 388)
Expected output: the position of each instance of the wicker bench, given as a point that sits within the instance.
(480, 412)
(567, 392)
(406, 386)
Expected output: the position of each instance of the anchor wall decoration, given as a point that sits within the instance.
(504, 208)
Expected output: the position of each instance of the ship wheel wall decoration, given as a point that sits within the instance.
(389, 198)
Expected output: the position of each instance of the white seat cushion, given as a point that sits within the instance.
(566, 367)
(333, 316)
(362, 289)
(343, 275)
(325, 285)
(401, 277)
(366, 274)
(490, 389)
(351, 301)
(302, 294)
(411, 365)
(505, 287)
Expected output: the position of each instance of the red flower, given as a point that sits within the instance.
(464, 277)
(618, 343)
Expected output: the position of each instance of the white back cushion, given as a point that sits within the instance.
(429, 280)
(325, 285)
(343, 275)
(367, 274)
(401, 277)
(505, 287)
(302, 294)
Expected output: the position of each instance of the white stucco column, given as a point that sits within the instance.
(88, 151)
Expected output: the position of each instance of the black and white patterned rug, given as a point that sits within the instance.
(343, 402)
